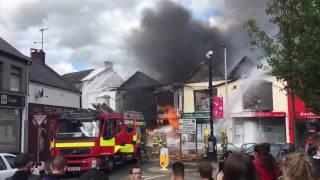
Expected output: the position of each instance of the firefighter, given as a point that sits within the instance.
(206, 135)
(155, 143)
(224, 141)
(163, 138)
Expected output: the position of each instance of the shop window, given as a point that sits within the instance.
(15, 79)
(9, 130)
(201, 99)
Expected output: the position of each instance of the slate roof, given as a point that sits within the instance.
(43, 74)
(243, 68)
(76, 76)
(7, 48)
(200, 74)
(139, 81)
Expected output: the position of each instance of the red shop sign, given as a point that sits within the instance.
(218, 107)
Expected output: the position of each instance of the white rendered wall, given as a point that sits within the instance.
(53, 96)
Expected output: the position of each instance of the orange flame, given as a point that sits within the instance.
(172, 117)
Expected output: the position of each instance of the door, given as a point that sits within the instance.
(130, 135)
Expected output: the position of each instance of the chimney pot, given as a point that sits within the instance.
(38, 55)
(108, 64)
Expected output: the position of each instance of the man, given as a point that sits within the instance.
(177, 171)
(25, 168)
(205, 171)
(316, 156)
(58, 168)
(135, 173)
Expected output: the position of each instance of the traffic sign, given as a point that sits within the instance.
(39, 118)
(187, 126)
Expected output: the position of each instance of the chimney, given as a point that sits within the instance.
(108, 64)
(38, 55)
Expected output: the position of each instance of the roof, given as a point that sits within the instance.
(76, 76)
(243, 68)
(43, 74)
(7, 48)
(139, 81)
(200, 74)
(93, 73)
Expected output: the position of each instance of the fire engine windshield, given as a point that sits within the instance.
(77, 128)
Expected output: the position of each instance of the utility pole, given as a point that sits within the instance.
(225, 82)
(42, 31)
(209, 55)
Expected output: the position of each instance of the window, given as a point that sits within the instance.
(15, 79)
(1, 73)
(9, 130)
(2, 165)
(129, 124)
(118, 125)
(109, 128)
(201, 99)
(10, 160)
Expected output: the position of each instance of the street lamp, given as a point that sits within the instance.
(209, 55)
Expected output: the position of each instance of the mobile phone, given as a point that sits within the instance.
(37, 164)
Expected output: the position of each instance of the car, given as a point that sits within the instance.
(277, 150)
(246, 146)
(7, 168)
(230, 148)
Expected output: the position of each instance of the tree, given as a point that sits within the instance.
(292, 55)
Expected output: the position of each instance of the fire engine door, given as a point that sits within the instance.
(120, 139)
(131, 136)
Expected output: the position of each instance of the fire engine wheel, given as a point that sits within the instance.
(110, 164)
(137, 156)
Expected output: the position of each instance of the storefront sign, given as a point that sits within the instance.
(218, 107)
(11, 100)
(259, 114)
(136, 114)
(196, 115)
(187, 126)
(307, 115)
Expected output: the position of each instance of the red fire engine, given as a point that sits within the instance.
(89, 140)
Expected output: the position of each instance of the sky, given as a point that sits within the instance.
(82, 34)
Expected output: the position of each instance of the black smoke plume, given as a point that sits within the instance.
(170, 44)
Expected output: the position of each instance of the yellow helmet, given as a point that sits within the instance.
(206, 132)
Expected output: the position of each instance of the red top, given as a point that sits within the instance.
(265, 174)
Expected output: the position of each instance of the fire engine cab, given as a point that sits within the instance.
(88, 139)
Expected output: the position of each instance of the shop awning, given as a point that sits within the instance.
(259, 114)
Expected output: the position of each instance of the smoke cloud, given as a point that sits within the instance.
(169, 43)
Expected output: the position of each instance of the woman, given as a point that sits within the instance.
(238, 166)
(264, 163)
(299, 166)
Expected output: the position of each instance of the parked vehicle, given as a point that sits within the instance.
(88, 139)
(7, 168)
(230, 147)
(276, 150)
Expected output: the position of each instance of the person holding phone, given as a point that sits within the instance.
(25, 168)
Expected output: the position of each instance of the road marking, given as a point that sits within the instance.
(152, 177)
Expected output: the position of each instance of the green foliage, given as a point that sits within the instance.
(293, 53)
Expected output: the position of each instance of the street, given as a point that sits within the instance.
(151, 170)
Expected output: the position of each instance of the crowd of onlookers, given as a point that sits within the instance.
(236, 166)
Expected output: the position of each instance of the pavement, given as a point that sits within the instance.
(151, 170)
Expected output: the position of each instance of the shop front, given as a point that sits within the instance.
(11, 108)
(308, 123)
(258, 127)
(195, 142)
(52, 113)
